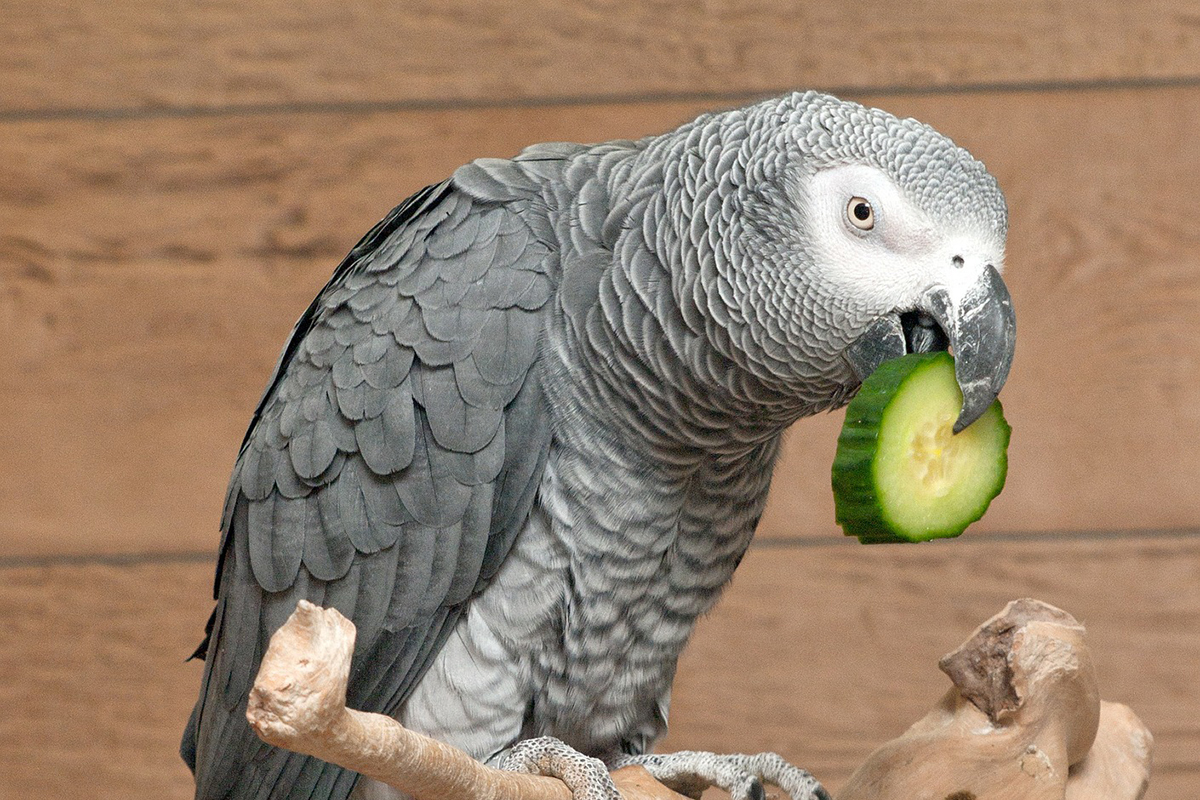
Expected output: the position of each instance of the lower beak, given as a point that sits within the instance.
(980, 329)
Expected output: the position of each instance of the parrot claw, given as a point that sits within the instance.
(742, 776)
(586, 777)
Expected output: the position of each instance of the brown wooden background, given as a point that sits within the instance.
(178, 179)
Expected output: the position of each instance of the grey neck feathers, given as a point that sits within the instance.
(646, 296)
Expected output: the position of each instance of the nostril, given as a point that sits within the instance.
(957, 261)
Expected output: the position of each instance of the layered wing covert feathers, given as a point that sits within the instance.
(390, 463)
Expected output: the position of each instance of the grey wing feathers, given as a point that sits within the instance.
(388, 467)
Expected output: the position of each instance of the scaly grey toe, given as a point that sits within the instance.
(586, 777)
(742, 776)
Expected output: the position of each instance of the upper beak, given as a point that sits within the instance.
(980, 329)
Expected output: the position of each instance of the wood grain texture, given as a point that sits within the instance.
(158, 54)
(821, 653)
(150, 271)
(93, 682)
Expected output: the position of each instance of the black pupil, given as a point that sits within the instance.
(862, 211)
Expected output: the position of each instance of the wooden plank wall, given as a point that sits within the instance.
(177, 180)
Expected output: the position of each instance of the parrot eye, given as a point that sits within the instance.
(860, 213)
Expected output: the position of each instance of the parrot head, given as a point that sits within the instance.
(863, 237)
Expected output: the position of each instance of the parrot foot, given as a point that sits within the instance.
(586, 777)
(742, 776)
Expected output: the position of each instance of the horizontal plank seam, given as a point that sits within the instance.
(772, 543)
(1133, 534)
(134, 113)
(109, 559)
(1173, 767)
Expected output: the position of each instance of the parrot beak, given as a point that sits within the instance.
(980, 329)
(983, 337)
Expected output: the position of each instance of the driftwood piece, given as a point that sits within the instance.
(1021, 723)
(1118, 765)
(299, 702)
(1024, 721)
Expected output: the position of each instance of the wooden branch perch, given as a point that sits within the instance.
(1024, 721)
(299, 702)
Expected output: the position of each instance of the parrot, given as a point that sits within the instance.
(524, 435)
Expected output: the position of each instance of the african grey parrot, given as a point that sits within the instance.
(524, 435)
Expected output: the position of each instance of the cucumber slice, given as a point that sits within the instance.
(901, 474)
